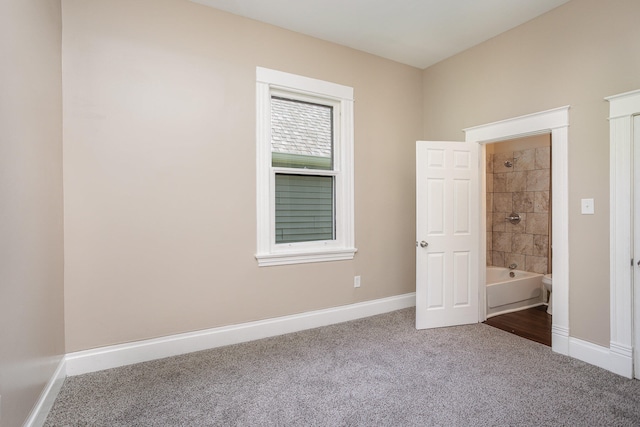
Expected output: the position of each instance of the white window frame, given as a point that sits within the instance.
(271, 82)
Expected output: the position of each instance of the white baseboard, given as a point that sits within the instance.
(589, 352)
(82, 362)
(560, 339)
(41, 409)
(621, 359)
(617, 358)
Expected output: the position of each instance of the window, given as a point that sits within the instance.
(304, 169)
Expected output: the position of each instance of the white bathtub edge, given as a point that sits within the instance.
(513, 310)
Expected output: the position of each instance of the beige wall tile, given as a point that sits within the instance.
(508, 191)
(516, 181)
(523, 202)
(489, 163)
(502, 241)
(522, 244)
(538, 223)
(502, 202)
(543, 158)
(541, 201)
(540, 245)
(536, 264)
(524, 160)
(499, 182)
(538, 180)
(499, 223)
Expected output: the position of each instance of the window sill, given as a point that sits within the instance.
(266, 260)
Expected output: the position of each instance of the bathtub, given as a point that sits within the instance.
(505, 294)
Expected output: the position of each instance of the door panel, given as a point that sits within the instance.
(461, 208)
(461, 279)
(448, 218)
(435, 281)
(435, 216)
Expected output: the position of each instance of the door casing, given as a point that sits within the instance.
(622, 109)
(555, 122)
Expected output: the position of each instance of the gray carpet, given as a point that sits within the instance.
(378, 371)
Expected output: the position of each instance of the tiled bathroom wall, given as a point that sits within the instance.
(523, 188)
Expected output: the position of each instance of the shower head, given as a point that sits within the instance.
(508, 164)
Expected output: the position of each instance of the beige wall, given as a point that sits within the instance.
(159, 171)
(574, 55)
(160, 166)
(31, 245)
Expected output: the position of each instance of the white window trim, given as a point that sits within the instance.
(343, 247)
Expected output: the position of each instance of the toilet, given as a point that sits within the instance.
(547, 282)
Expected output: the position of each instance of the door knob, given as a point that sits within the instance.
(423, 244)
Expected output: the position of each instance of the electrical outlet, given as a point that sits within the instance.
(356, 282)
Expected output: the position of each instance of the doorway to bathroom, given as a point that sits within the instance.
(555, 122)
(518, 235)
(430, 285)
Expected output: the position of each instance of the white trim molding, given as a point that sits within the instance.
(305, 257)
(519, 127)
(621, 359)
(591, 353)
(622, 108)
(41, 409)
(556, 122)
(560, 339)
(82, 362)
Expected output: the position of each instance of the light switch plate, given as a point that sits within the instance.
(587, 207)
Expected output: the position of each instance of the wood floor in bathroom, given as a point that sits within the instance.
(533, 324)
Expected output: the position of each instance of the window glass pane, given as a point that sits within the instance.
(304, 208)
(301, 134)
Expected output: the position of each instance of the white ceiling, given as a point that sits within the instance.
(414, 32)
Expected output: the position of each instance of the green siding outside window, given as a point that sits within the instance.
(304, 208)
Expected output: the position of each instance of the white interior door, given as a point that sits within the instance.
(447, 233)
